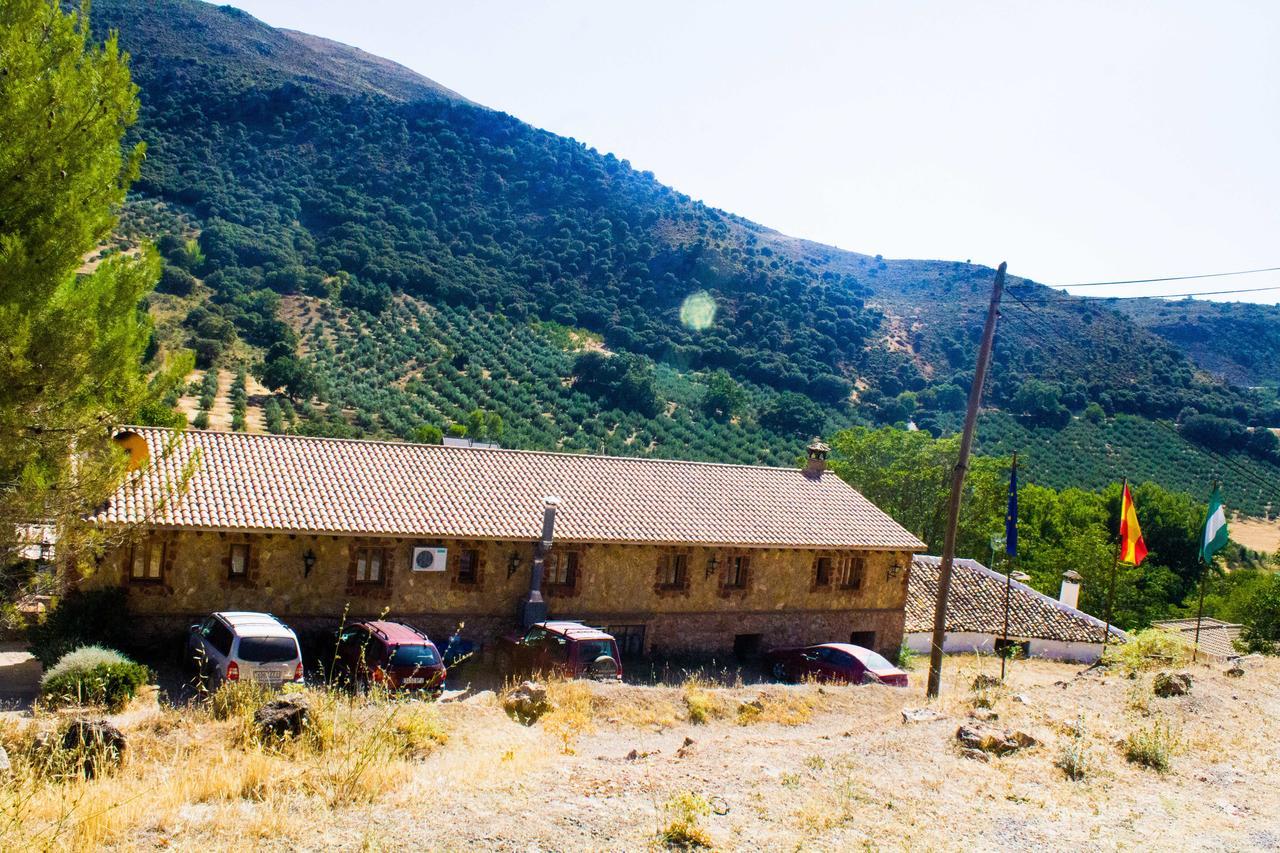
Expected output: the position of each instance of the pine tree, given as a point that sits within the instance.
(71, 361)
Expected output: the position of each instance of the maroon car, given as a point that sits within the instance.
(569, 649)
(841, 662)
(390, 654)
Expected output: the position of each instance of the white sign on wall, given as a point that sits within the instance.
(430, 559)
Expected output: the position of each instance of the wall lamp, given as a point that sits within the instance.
(713, 563)
(894, 570)
(308, 563)
(513, 564)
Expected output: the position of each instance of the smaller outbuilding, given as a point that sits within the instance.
(1039, 625)
(1217, 638)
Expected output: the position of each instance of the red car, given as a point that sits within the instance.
(390, 654)
(842, 662)
(570, 649)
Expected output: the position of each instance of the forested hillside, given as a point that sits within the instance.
(395, 259)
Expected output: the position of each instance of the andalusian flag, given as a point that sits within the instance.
(1214, 538)
(1132, 549)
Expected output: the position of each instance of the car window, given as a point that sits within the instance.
(415, 656)
(871, 660)
(535, 636)
(557, 648)
(267, 649)
(589, 650)
(221, 638)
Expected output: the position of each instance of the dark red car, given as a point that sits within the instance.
(390, 654)
(841, 662)
(569, 649)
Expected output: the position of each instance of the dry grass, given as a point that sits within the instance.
(625, 767)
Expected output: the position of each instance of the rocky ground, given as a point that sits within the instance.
(770, 767)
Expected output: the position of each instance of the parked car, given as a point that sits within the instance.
(840, 662)
(569, 649)
(242, 646)
(393, 655)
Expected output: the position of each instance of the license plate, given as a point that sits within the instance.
(414, 680)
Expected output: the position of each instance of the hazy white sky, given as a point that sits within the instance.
(1078, 140)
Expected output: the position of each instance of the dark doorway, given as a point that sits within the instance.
(866, 639)
(746, 646)
(630, 639)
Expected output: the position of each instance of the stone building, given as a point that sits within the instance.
(679, 557)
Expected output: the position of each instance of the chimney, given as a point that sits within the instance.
(1070, 594)
(817, 459)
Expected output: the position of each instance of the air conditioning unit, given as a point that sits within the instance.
(430, 559)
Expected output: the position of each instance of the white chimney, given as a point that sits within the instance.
(1070, 594)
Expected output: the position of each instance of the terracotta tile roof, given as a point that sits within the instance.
(1216, 637)
(321, 485)
(976, 604)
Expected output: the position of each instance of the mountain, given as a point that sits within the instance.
(327, 212)
(1236, 341)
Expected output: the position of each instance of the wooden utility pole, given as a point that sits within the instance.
(1008, 578)
(957, 485)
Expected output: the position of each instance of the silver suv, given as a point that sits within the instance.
(240, 646)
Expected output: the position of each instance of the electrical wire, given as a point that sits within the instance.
(1168, 278)
(1171, 295)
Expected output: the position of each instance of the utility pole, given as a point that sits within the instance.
(957, 485)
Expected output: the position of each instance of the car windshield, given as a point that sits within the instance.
(589, 650)
(874, 662)
(268, 649)
(415, 656)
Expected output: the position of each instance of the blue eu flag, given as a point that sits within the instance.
(1011, 517)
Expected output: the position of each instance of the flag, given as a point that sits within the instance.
(1132, 549)
(1011, 515)
(1214, 537)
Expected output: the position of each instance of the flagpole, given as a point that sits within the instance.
(1115, 567)
(1204, 581)
(1008, 579)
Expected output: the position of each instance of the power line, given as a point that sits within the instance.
(1169, 295)
(1168, 278)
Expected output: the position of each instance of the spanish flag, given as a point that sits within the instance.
(1132, 549)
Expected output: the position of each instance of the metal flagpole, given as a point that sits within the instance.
(1008, 573)
(1204, 581)
(1111, 590)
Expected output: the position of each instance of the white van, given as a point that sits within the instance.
(242, 646)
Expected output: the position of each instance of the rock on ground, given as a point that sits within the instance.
(286, 716)
(99, 745)
(999, 742)
(1168, 684)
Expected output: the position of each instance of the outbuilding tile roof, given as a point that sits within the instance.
(242, 481)
(976, 604)
(1217, 638)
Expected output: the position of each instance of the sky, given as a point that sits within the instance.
(1079, 141)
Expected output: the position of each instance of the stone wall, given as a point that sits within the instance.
(614, 585)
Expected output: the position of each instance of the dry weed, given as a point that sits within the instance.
(790, 708)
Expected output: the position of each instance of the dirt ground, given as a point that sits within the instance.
(822, 768)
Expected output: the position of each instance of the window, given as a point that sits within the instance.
(673, 571)
(268, 649)
(238, 562)
(220, 637)
(851, 571)
(369, 565)
(822, 571)
(737, 572)
(630, 639)
(865, 639)
(146, 564)
(561, 568)
(468, 566)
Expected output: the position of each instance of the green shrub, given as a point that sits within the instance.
(1152, 746)
(93, 675)
(97, 616)
(683, 814)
